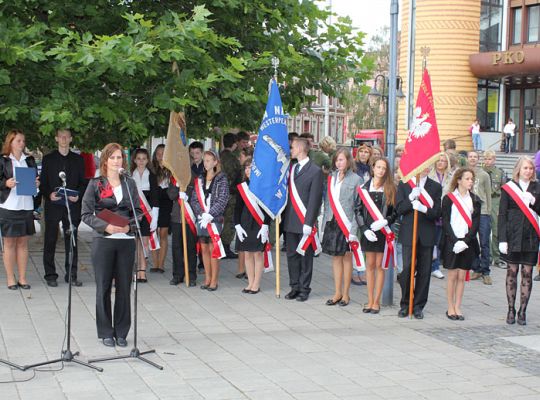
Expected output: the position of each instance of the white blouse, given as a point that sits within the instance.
(119, 195)
(142, 181)
(15, 202)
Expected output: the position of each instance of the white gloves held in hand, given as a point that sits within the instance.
(205, 219)
(353, 238)
(183, 196)
(503, 247)
(155, 216)
(306, 230)
(377, 225)
(415, 194)
(417, 205)
(241, 234)
(459, 246)
(263, 233)
(529, 198)
(370, 235)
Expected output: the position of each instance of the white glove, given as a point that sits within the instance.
(377, 225)
(240, 232)
(306, 230)
(459, 246)
(353, 238)
(183, 196)
(503, 247)
(263, 233)
(529, 198)
(415, 193)
(370, 235)
(204, 220)
(155, 216)
(416, 205)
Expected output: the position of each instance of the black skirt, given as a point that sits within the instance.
(17, 223)
(522, 257)
(463, 260)
(165, 209)
(203, 235)
(334, 242)
(373, 247)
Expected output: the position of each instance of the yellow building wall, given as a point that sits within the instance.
(451, 29)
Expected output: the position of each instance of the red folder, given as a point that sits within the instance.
(112, 218)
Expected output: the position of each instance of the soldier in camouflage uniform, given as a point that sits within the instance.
(231, 167)
(498, 178)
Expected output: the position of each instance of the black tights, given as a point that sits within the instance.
(511, 285)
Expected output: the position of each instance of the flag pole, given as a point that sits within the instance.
(278, 256)
(184, 243)
(413, 255)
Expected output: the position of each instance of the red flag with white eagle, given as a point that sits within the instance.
(422, 145)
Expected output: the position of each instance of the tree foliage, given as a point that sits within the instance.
(112, 70)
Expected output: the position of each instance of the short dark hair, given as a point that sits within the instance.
(64, 130)
(449, 144)
(304, 142)
(242, 136)
(196, 145)
(307, 135)
(293, 135)
(229, 139)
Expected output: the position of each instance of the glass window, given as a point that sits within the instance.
(534, 24)
(514, 98)
(516, 26)
(530, 97)
(490, 25)
(488, 105)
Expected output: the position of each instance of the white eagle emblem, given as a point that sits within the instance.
(420, 127)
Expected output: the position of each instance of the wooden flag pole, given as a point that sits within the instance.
(278, 256)
(413, 255)
(184, 242)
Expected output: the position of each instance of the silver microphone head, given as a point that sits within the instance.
(123, 172)
(62, 175)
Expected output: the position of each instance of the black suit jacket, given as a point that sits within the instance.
(309, 186)
(426, 222)
(6, 172)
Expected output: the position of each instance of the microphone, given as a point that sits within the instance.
(62, 175)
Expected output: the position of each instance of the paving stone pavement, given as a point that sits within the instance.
(229, 345)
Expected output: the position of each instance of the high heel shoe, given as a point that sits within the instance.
(511, 316)
(521, 318)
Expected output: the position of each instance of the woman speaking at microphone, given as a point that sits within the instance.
(113, 247)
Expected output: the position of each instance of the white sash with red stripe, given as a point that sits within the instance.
(313, 239)
(462, 208)
(219, 251)
(515, 192)
(344, 223)
(424, 198)
(258, 216)
(390, 252)
(146, 209)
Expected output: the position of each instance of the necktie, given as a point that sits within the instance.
(296, 170)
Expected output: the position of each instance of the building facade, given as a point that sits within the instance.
(484, 62)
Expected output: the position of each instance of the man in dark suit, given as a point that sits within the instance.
(408, 200)
(308, 179)
(62, 159)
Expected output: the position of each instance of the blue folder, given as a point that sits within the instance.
(60, 192)
(26, 181)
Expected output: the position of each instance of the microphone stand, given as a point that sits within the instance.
(67, 354)
(135, 352)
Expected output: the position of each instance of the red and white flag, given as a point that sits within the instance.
(422, 146)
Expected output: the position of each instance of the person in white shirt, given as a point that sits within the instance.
(509, 131)
(475, 132)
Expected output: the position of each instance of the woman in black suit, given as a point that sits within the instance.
(16, 211)
(518, 239)
(113, 248)
(459, 245)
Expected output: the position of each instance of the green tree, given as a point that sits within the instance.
(112, 70)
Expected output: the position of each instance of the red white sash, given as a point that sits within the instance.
(189, 216)
(462, 208)
(219, 251)
(424, 198)
(300, 209)
(390, 252)
(344, 224)
(146, 209)
(258, 216)
(515, 192)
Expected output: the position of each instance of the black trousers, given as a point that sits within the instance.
(113, 259)
(178, 253)
(300, 267)
(53, 216)
(424, 256)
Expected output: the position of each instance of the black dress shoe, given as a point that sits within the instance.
(366, 310)
(331, 302)
(402, 313)
(246, 290)
(451, 317)
(175, 281)
(344, 303)
(241, 275)
(460, 317)
(52, 283)
(13, 287)
(204, 287)
(521, 318)
(293, 294)
(75, 282)
(108, 341)
(121, 342)
(192, 283)
(24, 286)
(511, 316)
(418, 314)
(375, 310)
(142, 280)
(254, 291)
(212, 289)
(302, 297)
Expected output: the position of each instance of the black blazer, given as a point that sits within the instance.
(96, 199)
(309, 186)
(448, 239)
(363, 217)
(514, 227)
(426, 222)
(6, 172)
